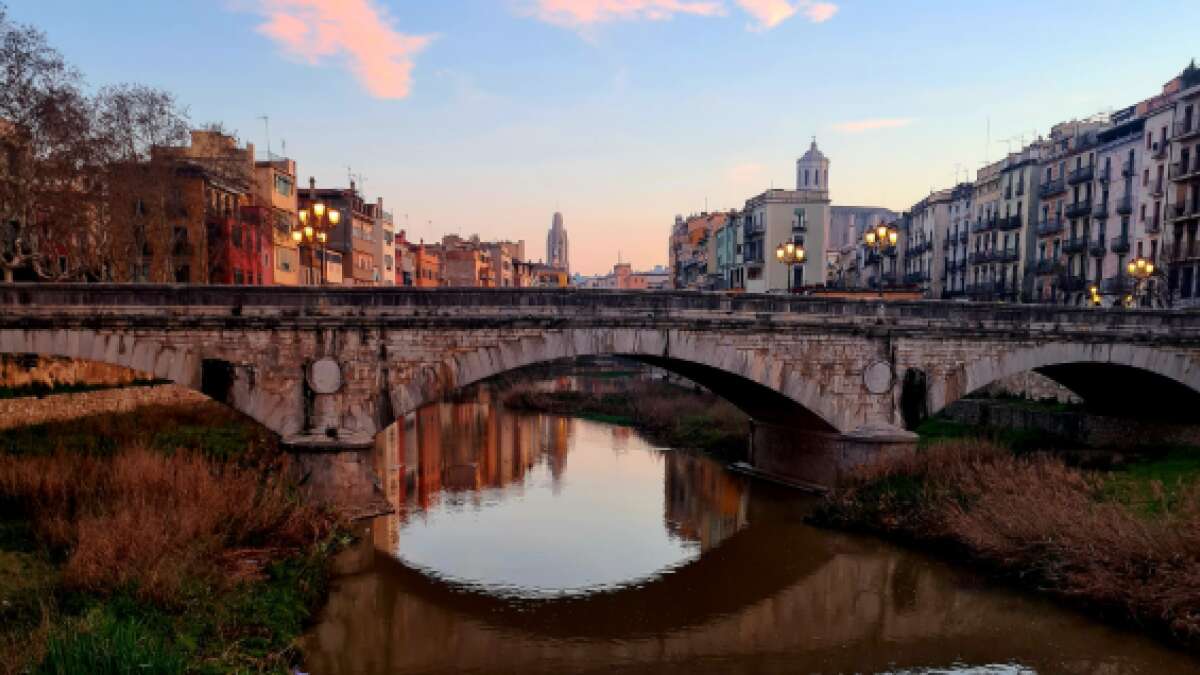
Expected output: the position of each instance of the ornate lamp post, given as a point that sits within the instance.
(880, 239)
(314, 223)
(791, 254)
(1140, 269)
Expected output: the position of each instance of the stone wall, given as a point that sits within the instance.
(19, 412)
(1094, 431)
(1033, 386)
(28, 370)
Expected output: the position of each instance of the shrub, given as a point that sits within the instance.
(1038, 520)
(153, 522)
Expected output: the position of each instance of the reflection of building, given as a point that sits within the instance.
(704, 502)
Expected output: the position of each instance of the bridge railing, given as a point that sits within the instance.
(21, 303)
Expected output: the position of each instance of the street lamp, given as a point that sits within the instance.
(791, 254)
(314, 223)
(1141, 270)
(880, 239)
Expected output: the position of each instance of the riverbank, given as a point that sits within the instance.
(167, 540)
(1123, 545)
(666, 413)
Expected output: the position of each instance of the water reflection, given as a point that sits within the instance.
(533, 543)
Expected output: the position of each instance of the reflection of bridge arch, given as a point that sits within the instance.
(763, 388)
(854, 605)
(710, 586)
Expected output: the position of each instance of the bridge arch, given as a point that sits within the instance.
(150, 354)
(764, 388)
(1112, 378)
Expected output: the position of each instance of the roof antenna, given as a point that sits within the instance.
(267, 125)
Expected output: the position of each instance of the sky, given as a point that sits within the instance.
(485, 116)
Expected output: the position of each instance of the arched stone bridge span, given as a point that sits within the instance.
(332, 367)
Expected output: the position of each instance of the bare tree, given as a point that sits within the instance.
(45, 137)
(136, 126)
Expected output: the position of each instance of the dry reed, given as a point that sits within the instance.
(153, 522)
(1035, 519)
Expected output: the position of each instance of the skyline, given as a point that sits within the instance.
(487, 117)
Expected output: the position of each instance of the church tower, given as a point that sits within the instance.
(812, 170)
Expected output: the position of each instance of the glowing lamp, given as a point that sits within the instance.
(318, 209)
(308, 232)
(335, 217)
(303, 216)
(297, 236)
(870, 237)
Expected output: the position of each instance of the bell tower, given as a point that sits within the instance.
(812, 170)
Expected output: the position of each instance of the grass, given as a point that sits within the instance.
(937, 429)
(41, 389)
(208, 428)
(149, 543)
(669, 414)
(1081, 535)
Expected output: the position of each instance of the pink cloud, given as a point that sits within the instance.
(771, 13)
(379, 56)
(583, 12)
(820, 12)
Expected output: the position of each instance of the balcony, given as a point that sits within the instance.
(1074, 245)
(981, 291)
(1185, 209)
(1071, 283)
(1078, 209)
(1048, 266)
(1118, 285)
(1152, 225)
(1006, 255)
(1125, 205)
(963, 236)
(1156, 188)
(1127, 168)
(1181, 171)
(1100, 209)
(1097, 248)
(1009, 224)
(984, 225)
(1051, 188)
(1159, 150)
(1103, 174)
(980, 257)
(1081, 175)
(1119, 244)
(919, 248)
(1050, 227)
(1020, 190)
(1185, 129)
(914, 278)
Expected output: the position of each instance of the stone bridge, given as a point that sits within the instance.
(828, 382)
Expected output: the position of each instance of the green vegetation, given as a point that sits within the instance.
(671, 415)
(40, 389)
(159, 541)
(938, 429)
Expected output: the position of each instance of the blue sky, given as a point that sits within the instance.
(484, 116)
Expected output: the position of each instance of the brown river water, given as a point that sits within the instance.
(529, 543)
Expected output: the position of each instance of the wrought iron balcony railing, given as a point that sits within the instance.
(1081, 175)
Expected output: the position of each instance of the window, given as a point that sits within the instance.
(283, 185)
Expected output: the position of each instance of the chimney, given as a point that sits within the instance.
(312, 183)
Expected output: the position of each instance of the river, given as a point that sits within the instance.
(530, 543)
